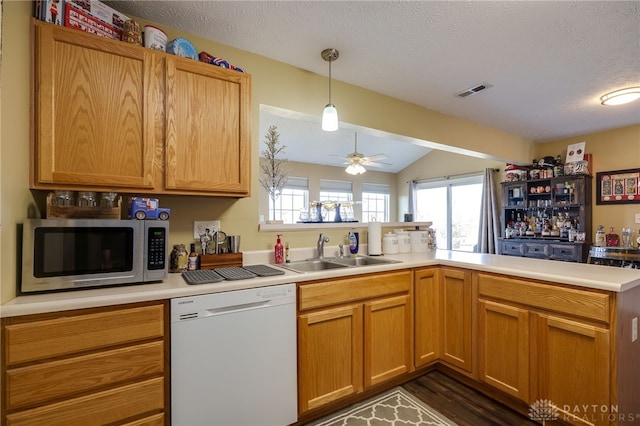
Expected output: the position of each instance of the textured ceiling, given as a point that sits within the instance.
(548, 62)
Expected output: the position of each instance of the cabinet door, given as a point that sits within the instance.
(329, 355)
(94, 119)
(426, 294)
(574, 369)
(207, 128)
(503, 341)
(456, 317)
(387, 339)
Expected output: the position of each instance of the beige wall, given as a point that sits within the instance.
(616, 149)
(275, 84)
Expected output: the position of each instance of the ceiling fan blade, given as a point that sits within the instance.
(375, 164)
(376, 157)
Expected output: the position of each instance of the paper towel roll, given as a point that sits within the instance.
(375, 238)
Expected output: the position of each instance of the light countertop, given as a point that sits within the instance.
(577, 274)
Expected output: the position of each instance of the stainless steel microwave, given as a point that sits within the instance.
(62, 254)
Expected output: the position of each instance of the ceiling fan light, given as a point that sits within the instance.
(330, 118)
(622, 96)
(355, 169)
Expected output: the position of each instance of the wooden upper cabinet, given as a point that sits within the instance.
(207, 122)
(110, 116)
(93, 116)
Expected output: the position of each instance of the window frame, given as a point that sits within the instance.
(449, 184)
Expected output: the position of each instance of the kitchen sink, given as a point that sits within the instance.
(311, 265)
(363, 261)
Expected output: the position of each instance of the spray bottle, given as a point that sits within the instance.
(279, 251)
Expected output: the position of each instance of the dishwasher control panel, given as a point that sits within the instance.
(206, 305)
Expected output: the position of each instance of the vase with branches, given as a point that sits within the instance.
(274, 171)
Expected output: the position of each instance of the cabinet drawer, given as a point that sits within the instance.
(108, 407)
(65, 335)
(351, 289)
(538, 250)
(580, 303)
(512, 248)
(37, 384)
(155, 420)
(565, 252)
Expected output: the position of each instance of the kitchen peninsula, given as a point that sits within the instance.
(467, 313)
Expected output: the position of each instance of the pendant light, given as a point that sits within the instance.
(330, 113)
(622, 96)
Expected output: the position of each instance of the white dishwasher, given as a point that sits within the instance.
(233, 358)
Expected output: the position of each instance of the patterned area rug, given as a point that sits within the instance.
(396, 407)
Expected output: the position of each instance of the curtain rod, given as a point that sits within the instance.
(447, 177)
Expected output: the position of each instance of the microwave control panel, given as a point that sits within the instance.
(156, 248)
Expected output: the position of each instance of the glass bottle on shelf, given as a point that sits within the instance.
(601, 239)
(612, 239)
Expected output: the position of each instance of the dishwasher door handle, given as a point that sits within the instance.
(237, 308)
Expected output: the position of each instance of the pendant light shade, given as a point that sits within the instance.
(330, 113)
(330, 118)
(622, 96)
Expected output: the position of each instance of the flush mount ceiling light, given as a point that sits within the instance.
(622, 96)
(330, 113)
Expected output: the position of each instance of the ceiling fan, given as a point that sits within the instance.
(356, 160)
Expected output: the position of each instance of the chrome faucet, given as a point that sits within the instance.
(321, 240)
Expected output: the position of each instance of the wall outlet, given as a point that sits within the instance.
(634, 329)
(637, 217)
(199, 227)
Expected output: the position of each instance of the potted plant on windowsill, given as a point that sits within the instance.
(274, 171)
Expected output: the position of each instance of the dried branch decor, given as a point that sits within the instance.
(274, 171)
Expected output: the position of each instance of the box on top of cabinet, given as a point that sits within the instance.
(79, 19)
(97, 9)
(50, 11)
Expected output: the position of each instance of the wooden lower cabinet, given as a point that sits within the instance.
(503, 341)
(387, 339)
(329, 355)
(544, 342)
(90, 366)
(456, 304)
(427, 326)
(353, 333)
(575, 368)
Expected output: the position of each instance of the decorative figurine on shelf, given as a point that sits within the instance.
(147, 208)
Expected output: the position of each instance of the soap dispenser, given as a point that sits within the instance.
(279, 251)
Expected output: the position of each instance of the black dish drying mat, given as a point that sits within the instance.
(263, 270)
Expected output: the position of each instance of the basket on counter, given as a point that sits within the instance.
(82, 212)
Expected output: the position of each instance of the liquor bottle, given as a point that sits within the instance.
(613, 239)
(182, 258)
(192, 261)
(601, 238)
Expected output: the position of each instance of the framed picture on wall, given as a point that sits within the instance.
(618, 187)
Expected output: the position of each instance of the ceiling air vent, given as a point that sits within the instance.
(473, 90)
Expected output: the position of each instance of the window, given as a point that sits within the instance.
(453, 205)
(333, 190)
(375, 202)
(294, 198)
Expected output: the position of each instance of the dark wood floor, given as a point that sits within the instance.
(461, 404)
